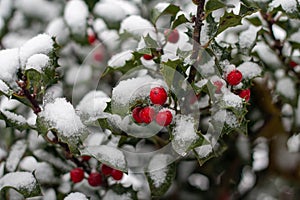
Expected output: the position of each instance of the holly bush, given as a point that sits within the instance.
(148, 99)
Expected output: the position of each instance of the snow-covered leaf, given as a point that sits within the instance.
(118, 191)
(213, 5)
(160, 174)
(23, 182)
(250, 70)
(163, 9)
(16, 153)
(108, 155)
(76, 195)
(14, 120)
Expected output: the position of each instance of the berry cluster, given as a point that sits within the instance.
(95, 178)
(158, 96)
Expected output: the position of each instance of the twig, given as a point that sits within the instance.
(196, 38)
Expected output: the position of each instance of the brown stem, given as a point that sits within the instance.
(196, 38)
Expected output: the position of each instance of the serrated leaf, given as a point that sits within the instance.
(160, 174)
(255, 21)
(108, 155)
(181, 19)
(15, 155)
(212, 5)
(150, 42)
(23, 182)
(171, 9)
(228, 20)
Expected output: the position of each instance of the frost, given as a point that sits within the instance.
(105, 10)
(293, 143)
(249, 70)
(286, 87)
(76, 196)
(158, 170)
(75, 15)
(62, 116)
(232, 100)
(16, 153)
(136, 25)
(37, 62)
(184, 134)
(41, 43)
(111, 195)
(248, 37)
(230, 118)
(93, 104)
(120, 59)
(9, 65)
(40, 9)
(108, 155)
(289, 6)
(204, 150)
(207, 68)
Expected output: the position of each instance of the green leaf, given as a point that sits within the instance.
(207, 151)
(123, 192)
(212, 5)
(23, 182)
(168, 70)
(169, 10)
(14, 120)
(227, 21)
(150, 42)
(160, 174)
(108, 155)
(255, 21)
(181, 19)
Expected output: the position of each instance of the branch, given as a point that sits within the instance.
(196, 37)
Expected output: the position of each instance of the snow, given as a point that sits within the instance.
(184, 134)
(16, 153)
(161, 6)
(9, 65)
(136, 25)
(199, 181)
(105, 10)
(108, 155)
(111, 195)
(19, 180)
(204, 150)
(158, 170)
(76, 196)
(119, 60)
(249, 70)
(3, 87)
(81, 74)
(286, 87)
(1, 24)
(15, 118)
(37, 62)
(110, 38)
(228, 69)
(287, 5)
(248, 37)
(128, 6)
(62, 116)
(75, 15)
(266, 54)
(41, 43)
(293, 143)
(207, 68)
(93, 105)
(58, 29)
(6, 7)
(41, 9)
(230, 118)
(232, 100)
(99, 25)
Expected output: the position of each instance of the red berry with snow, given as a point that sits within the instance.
(106, 170)
(147, 115)
(148, 56)
(234, 77)
(136, 114)
(164, 118)
(172, 35)
(158, 95)
(245, 94)
(117, 174)
(91, 38)
(95, 179)
(77, 175)
(218, 85)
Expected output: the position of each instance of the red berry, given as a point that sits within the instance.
(95, 179)
(293, 64)
(77, 175)
(172, 35)
(85, 158)
(106, 170)
(234, 77)
(148, 56)
(158, 95)
(136, 114)
(245, 94)
(219, 86)
(98, 56)
(117, 174)
(147, 115)
(164, 118)
(91, 38)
